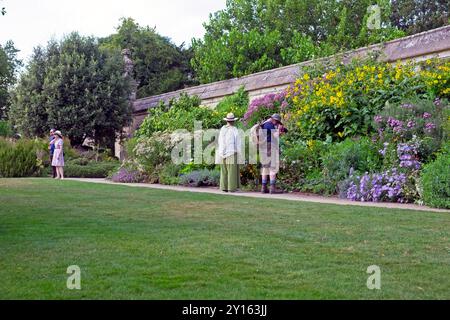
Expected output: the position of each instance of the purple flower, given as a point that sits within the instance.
(378, 119)
(426, 115)
(430, 127)
(270, 101)
(437, 102)
(126, 176)
(411, 124)
(394, 123)
(377, 187)
(408, 156)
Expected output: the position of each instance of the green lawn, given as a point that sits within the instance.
(137, 243)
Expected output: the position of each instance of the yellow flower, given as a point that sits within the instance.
(428, 61)
(341, 134)
(306, 77)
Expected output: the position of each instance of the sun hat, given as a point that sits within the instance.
(230, 117)
(58, 133)
(277, 117)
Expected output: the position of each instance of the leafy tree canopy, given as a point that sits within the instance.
(414, 16)
(9, 65)
(255, 35)
(76, 87)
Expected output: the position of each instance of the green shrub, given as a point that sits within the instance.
(236, 103)
(357, 156)
(90, 170)
(298, 160)
(153, 152)
(169, 175)
(80, 161)
(5, 129)
(179, 114)
(22, 158)
(435, 182)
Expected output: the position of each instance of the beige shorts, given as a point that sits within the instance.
(269, 171)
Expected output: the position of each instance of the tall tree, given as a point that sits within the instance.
(159, 65)
(256, 35)
(9, 65)
(76, 87)
(415, 16)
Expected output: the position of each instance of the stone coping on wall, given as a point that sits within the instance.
(430, 43)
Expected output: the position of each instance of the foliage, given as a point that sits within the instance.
(5, 129)
(349, 157)
(416, 16)
(92, 169)
(201, 178)
(249, 175)
(153, 152)
(170, 174)
(301, 164)
(180, 113)
(236, 54)
(75, 87)
(159, 65)
(255, 35)
(236, 103)
(9, 66)
(416, 118)
(342, 102)
(22, 158)
(435, 181)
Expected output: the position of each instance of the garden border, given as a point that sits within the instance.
(421, 46)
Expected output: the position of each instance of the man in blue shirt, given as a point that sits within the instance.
(51, 147)
(270, 152)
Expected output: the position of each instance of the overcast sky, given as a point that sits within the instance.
(32, 22)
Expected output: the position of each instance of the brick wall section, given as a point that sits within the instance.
(433, 43)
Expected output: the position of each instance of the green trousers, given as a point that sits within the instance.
(230, 179)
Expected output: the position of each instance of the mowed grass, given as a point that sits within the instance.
(137, 243)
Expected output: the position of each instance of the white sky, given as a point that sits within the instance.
(32, 22)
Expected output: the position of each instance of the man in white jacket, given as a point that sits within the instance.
(227, 155)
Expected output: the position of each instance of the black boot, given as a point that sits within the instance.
(274, 190)
(264, 189)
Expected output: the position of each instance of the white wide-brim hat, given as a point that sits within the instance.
(230, 117)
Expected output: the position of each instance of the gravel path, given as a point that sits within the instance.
(286, 196)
